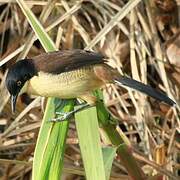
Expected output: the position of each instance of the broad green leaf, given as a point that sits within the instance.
(51, 140)
(90, 145)
(108, 155)
(119, 140)
(47, 155)
(42, 35)
(50, 161)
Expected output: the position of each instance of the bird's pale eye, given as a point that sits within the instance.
(18, 83)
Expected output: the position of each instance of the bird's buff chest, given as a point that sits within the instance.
(65, 85)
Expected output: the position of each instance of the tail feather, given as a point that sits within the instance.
(144, 89)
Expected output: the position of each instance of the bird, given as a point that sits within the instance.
(68, 74)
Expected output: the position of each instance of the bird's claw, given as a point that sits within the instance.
(60, 113)
(63, 116)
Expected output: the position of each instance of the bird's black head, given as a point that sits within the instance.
(17, 75)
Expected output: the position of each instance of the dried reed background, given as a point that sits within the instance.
(144, 45)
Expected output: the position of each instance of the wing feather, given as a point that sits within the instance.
(66, 60)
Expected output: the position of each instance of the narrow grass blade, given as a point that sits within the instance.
(87, 126)
(48, 160)
(118, 140)
(49, 152)
(89, 141)
(42, 35)
(108, 155)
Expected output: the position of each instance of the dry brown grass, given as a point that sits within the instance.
(136, 45)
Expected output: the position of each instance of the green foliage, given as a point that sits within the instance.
(49, 153)
(90, 145)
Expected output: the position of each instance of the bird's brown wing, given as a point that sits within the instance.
(66, 60)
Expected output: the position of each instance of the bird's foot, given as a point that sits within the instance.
(63, 116)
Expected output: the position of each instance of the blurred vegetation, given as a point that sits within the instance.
(144, 45)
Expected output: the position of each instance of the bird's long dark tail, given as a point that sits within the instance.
(125, 81)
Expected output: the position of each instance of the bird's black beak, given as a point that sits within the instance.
(13, 102)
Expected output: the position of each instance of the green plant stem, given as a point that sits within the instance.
(123, 150)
